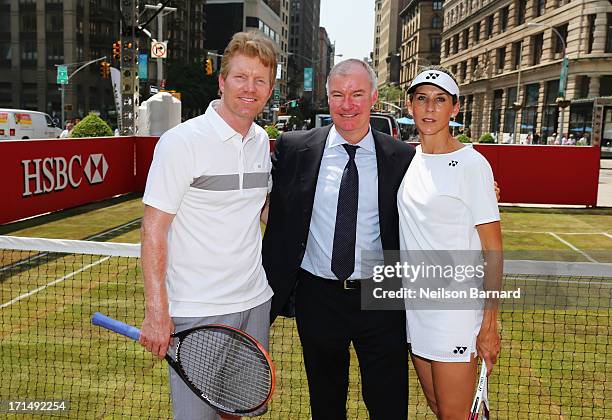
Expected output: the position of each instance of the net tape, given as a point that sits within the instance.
(554, 362)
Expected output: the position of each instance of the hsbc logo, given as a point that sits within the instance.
(96, 168)
(56, 173)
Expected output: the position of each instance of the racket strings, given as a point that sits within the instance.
(228, 369)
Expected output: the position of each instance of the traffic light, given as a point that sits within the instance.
(117, 50)
(105, 69)
(208, 68)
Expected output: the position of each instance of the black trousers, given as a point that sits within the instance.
(329, 318)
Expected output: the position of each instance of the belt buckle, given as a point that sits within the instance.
(345, 285)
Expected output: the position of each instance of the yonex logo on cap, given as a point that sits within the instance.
(437, 78)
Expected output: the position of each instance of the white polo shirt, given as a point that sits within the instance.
(215, 183)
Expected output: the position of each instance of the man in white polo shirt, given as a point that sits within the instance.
(201, 238)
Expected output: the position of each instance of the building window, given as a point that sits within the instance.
(540, 7)
(582, 86)
(463, 70)
(532, 93)
(436, 22)
(437, 5)
(28, 22)
(435, 44)
(537, 42)
(5, 54)
(605, 86)
(456, 44)
(510, 113)
(550, 114)
(516, 54)
(476, 29)
(447, 48)
(496, 107)
(591, 33)
(252, 22)
(581, 119)
(609, 34)
(464, 41)
(521, 7)
(503, 18)
(28, 53)
(501, 58)
(558, 45)
(474, 66)
(489, 27)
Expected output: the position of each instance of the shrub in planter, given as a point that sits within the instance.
(272, 131)
(91, 126)
(463, 138)
(486, 138)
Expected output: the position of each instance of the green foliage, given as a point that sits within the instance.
(91, 126)
(272, 131)
(463, 138)
(196, 88)
(486, 138)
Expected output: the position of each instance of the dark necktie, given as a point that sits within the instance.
(343, 252)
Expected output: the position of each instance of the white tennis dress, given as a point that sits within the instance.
(440, 201)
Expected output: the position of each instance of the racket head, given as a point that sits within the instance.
(227, 368)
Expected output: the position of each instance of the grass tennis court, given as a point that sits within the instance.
(554, 363)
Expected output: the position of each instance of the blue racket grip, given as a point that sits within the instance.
(116, 326)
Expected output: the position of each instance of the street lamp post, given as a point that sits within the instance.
(561, 101)
(63, 88)
(160, 19)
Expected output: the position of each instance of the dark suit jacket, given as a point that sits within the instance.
(295, 167)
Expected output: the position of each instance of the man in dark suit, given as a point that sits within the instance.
(334, 196)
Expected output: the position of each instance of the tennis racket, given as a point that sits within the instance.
(227, 368)
(481, 399)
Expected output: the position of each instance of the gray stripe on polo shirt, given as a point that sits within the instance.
(229, 182)
(255, 180)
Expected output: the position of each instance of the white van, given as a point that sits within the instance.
(282, 121)
(18, 124)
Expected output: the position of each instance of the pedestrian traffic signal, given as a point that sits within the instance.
(208, 68)
(117, 50)
(105, 69)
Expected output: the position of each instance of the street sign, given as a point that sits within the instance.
(62, 75)
(143, 66)
(563, 77)
(276, 96)
(159, 49)
(307, 79)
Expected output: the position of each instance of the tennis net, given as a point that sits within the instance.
(555, 360)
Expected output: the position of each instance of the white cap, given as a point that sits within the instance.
(436, 78)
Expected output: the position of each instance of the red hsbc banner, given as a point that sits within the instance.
(41, 176)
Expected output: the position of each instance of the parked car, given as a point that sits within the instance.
(385, 123)
(17, 124)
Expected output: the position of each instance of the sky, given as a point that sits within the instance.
(350, 24)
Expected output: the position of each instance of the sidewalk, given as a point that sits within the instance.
(604, 193)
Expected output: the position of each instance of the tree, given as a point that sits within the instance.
(91, 126)
(391, 94)
(196, 88)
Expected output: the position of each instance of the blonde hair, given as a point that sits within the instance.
(251, 44)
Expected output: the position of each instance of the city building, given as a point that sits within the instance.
(508, 58)
(36, 36)
(421, 28)
(303, 46)
(325, 63)
(387, 39)
(226, 17)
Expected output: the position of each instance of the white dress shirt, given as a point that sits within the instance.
(317, 258)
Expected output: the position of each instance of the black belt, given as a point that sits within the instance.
(352, 284)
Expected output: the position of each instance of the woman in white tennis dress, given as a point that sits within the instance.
(447, 203)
